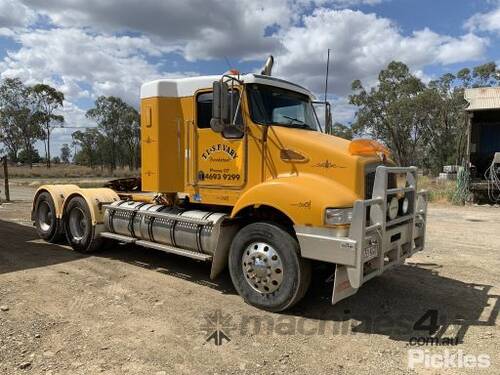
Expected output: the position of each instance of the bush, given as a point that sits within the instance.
(440, 191)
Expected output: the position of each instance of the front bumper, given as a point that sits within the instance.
(375, 243)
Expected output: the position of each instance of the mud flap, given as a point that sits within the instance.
(341, 286)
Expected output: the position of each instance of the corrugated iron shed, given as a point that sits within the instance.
(483, 98)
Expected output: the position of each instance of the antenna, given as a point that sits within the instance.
(327, 117)
(327, 71)
(228, 63)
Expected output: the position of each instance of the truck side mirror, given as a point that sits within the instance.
(220, 107)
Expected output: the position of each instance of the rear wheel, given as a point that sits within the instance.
(80, 232)
(47, 225)
(266, 267)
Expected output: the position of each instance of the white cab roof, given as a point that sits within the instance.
(177, 88)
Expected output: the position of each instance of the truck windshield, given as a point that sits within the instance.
(271, 105)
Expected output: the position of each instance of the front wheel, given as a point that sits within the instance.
(80, 232)
(266, 267)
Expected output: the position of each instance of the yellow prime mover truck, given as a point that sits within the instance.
(237, 171)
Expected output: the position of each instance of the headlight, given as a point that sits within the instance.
(393, 208)
(338, 216)
(405, 205)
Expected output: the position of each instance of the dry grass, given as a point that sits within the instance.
(66, 171)
(440, 191)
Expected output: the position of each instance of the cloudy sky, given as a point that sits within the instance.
(109, 47)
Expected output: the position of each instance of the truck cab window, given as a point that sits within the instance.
(204, 109)
(204, 103)
(275, 106)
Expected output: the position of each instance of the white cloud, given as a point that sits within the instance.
(363, 44)
(97, 47)
(111, 65)
(467, 47)
(14, 14)
(200, 29)
(352, 3)
(342, 111)
(488, 22)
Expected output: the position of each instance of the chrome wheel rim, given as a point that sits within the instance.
(262, 267)
(45, 216)
(77, 223)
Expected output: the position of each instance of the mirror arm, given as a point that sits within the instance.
(231, 78)
(233, 121)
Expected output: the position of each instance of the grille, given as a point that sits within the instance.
(370, 181)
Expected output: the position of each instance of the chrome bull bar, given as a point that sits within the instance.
(375, 243)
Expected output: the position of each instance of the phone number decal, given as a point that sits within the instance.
(222, 176)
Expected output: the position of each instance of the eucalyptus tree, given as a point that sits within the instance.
(118, 122)
(20, 118)
(65, 153)
(48, 101)
(392, 111)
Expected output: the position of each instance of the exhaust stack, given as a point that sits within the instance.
(268, 66)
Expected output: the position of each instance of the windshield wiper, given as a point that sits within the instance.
(292, 119)
(301, 124)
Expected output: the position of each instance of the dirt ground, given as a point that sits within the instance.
(130, 310)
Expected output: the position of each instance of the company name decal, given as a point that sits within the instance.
(229, 151)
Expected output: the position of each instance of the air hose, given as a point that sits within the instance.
(492, 175)
(462, 190)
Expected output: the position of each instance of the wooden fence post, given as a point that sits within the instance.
(6, 178)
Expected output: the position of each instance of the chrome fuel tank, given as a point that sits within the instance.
(188, 229)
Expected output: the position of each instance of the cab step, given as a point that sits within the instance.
(158, 246)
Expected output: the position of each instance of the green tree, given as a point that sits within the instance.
(65, 153)
(485, 75)
(130, 137)
(48, 100)
(117, 122)
(10, 134)
(29, 156)
(445, 133)
(391, 112)
(342, 131)
(88, 142)
(20, 114)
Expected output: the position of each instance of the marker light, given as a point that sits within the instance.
(367, 147)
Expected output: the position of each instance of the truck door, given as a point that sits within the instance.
(220, 157)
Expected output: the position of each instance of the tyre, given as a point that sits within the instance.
(266, 267)
(80, 232)
(47, 225)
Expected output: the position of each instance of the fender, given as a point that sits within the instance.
(303, 198)
(95, 198)
(59, 193)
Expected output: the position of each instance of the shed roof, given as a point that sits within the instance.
(483, 98)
